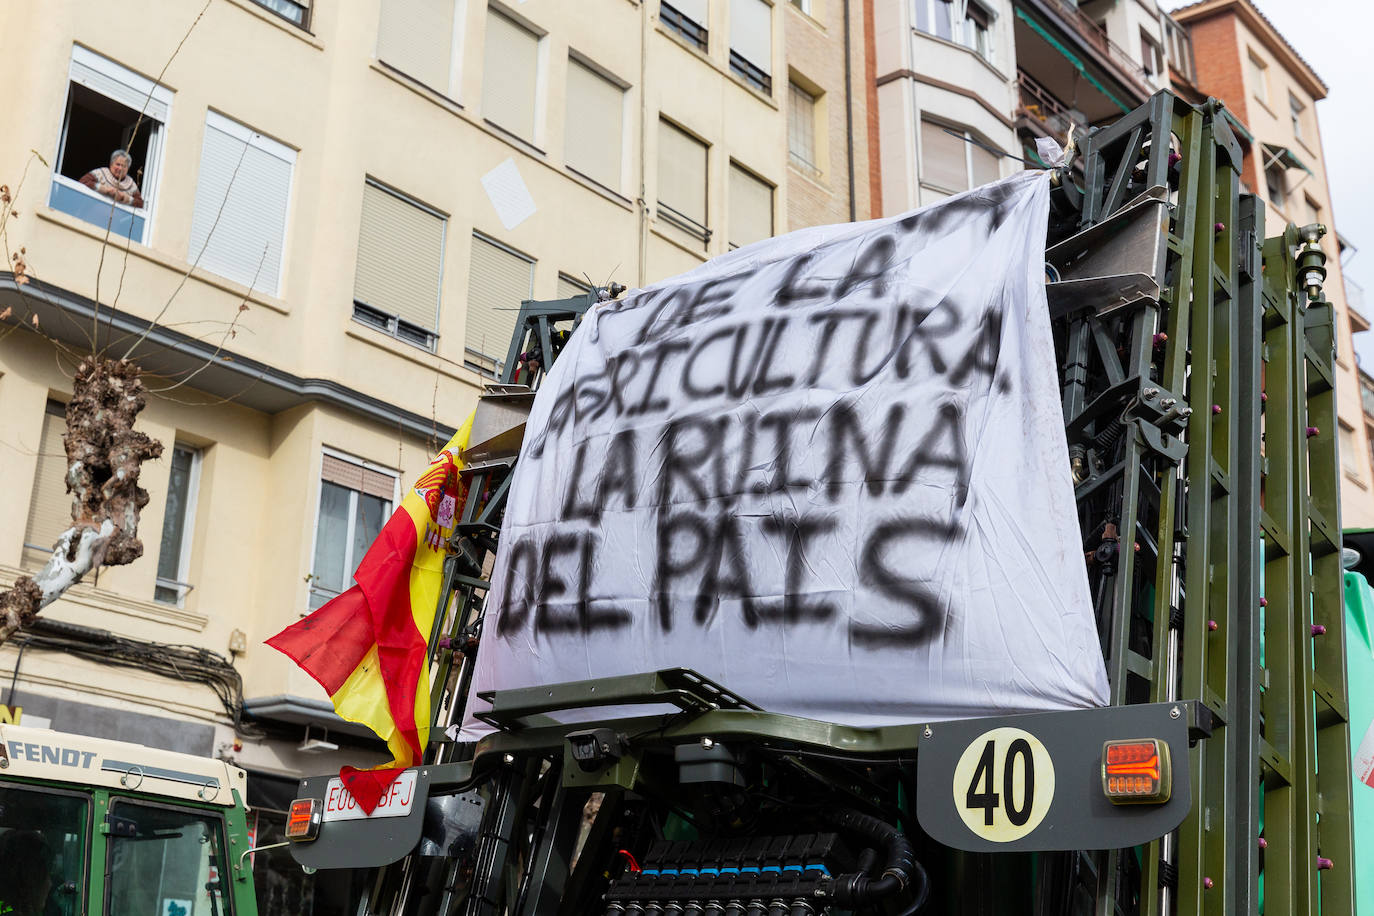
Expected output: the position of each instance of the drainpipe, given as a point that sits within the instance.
(849, 115)
(644, 143)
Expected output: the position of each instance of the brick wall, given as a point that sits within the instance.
(815, 49)
(1220, 69)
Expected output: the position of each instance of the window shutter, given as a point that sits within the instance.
(682, 172)
(943, 162)
(50, 508)
(400, 258)
(356, 477)
(592, 131)
(694, 10)
(751, 208)
(508, 78)
(124, 86)
(751, 32)
(239, 223)
(801, 124)
(568, 287)
(498, 280)
(416, 37)
(985, 166)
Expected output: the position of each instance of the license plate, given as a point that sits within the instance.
(340, 805)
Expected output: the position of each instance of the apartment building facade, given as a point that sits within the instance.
(1241, 59)
(340, 207)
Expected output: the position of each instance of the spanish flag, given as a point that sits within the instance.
(368, 646)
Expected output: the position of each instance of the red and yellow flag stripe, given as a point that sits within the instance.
(367, 647)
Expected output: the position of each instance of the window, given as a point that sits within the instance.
(569, 286)
(163, 859)
(951, 163)
(1151, 55)
(43, 849)
(499, 279)
(687, 18)
(751, 43)
(803, 5)
(50, 509)
(238, 227)
(1178, 45)
(294, 11)
(751, 208)
(1314, 209)
(801, 129)
(1278, 185)
(109, 108)
(935, 17)
(682, 180)
(416, 38)
(1296, 111)
(400, 266)
(509, 75)
(593, 130)
(1259, 78)
(174, 556)
(1350, 451)
(942, 18)
(355, 502)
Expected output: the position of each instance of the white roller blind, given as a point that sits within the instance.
(498, 280)
(943, 161)
(120, 83)
(751, 208)
(694, 10)
(592, 131)
(751, 32)
(985, 165)
(50, 508)
(567, 287)
(416, 37)
(238, 226)
(682, 172)
(400, 257)
(508, 75)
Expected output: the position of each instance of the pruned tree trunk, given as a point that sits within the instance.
(104, 457)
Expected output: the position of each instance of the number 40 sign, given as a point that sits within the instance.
(1003, 784)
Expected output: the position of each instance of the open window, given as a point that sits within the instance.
(109, 108)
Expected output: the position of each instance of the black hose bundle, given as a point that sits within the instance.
(900, 868)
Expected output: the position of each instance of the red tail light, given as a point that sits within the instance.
(1136, 771)
(303, 820)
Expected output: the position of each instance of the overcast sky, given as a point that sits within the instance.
(1333, 36)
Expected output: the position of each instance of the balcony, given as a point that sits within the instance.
(1354, 304)
(1039, 110)
(1068, 51)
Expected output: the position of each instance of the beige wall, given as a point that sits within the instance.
(921, 75)
(348, 116)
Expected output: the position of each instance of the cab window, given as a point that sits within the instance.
(165, 861)
(43, 836)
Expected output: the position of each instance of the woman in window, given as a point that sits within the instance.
(114, 182)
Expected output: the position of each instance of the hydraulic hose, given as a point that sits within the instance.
(899, 864)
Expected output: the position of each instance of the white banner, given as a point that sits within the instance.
(827, 470)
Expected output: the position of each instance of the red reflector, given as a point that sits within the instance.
(303, 820)
(1136, 771)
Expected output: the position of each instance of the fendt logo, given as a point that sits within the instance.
(50, 753)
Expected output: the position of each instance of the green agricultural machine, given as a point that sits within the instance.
(1196, 374)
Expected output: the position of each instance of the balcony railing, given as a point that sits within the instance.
(1037, 104)
(1097, 37)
